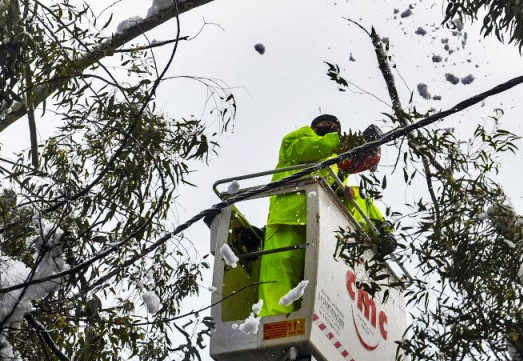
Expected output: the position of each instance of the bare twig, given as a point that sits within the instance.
(151, 45)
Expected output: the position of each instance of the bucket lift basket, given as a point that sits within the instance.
(337, 321)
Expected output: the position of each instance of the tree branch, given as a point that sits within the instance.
(386, 138)
(40, 329)
(92, 56)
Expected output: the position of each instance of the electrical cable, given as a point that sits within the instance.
(216, 208)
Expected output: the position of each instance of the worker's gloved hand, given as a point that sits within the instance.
(345, 193)
(348, 193)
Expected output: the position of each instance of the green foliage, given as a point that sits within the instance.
(461, 243)
(108, 179)
(334, 74)
(501, 18)
(466, 245)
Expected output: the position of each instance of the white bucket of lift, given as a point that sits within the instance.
(336, 321)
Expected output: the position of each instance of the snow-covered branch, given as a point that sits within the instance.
(106, 48)
(15, 305)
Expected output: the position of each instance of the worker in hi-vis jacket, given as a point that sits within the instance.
(287, 219)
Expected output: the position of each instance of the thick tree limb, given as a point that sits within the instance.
(106, 48)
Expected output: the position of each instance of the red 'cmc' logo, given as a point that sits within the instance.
(367, 307)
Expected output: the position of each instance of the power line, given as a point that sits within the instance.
(215, 209)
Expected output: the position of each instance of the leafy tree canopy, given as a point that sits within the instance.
(504, 19)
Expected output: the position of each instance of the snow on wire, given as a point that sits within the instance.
(215, 209)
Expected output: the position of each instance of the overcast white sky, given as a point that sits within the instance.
(286, 87)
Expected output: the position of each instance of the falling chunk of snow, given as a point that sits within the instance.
(233, 187)
(482, 216)
(520, 271)
(451, 78)
(423, 91)
(509, 243)
(152, 302)
(468, 79)
(444, 40)
(228, 255)
(351, 58)
(458, 24)
(212, 288)
(294, 294)
(436, 97)
(235, 326)
(256, 308)
(250, 325)
(436, 58)
(420, 31)
(260, 48)
(312, 194)
(128, 23)
(406, 13)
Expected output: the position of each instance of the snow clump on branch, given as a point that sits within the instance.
(15, 304)
(152, 302)
(158, 6)
(128, 23)
(234, 187)
(49, 260)
(506, 222)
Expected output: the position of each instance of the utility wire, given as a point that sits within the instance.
(215, 209)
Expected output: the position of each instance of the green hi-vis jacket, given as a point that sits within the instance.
(300, 146)
(367, 206)
(304, 146)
